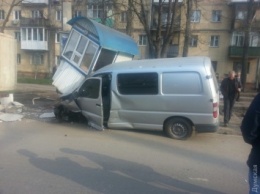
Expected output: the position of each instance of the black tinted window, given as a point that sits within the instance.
(138, 83)
(90, 89)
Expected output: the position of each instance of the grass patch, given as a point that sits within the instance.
(43, 81)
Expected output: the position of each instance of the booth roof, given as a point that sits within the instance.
(108, 38)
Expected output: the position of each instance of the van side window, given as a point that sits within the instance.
(90, 89)
(137, 83)
(181, 83)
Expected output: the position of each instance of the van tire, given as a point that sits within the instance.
(178, 128)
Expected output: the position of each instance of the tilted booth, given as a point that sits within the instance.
(90, 46)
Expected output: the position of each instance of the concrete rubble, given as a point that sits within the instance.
(9, 109)
(47, 115)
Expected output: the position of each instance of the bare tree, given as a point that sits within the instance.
(160, 40)
(11, 6)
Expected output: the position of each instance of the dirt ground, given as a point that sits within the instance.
(39, 99)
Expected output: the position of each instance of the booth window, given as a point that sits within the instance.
(80, 51)
(71, 44)
(88, 56)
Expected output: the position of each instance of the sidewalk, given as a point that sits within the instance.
(34, 87)
(239, 110)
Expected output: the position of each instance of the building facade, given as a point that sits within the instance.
(216, 30)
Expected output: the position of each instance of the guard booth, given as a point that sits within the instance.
(90, 46)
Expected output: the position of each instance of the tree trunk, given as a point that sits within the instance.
(129, 17)
(158, 38)
(187, 29)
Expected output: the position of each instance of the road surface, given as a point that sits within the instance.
(44, 156)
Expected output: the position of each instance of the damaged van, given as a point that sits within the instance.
(175, 95)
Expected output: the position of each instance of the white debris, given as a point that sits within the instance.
(7, 100)
(199, 179)
(1, 107)
(17, 104)
(10, 117)
(35, 99)
(47, 115)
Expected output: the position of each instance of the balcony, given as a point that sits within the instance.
(34, 39)
(33, 2)
(237, 52)
(34, 22)
(34, 45)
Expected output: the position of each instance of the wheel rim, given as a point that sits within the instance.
(179, 130)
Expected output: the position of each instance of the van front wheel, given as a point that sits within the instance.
(178, 128)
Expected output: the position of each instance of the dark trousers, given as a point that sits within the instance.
(228, 108)
(238, 96)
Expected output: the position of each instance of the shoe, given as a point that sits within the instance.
(225, 124)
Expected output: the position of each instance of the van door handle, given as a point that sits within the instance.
(98, 105)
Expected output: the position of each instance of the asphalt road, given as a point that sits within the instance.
(47, 157)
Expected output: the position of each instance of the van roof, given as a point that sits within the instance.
(162, 63)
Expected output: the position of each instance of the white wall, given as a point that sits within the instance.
(8, 57)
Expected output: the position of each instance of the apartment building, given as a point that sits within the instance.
(217, 31)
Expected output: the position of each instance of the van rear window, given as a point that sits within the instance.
(137, 83)
(181, 83)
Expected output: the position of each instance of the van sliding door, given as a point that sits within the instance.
(90, 102)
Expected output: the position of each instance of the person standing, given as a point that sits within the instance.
(229, 89)
(250, 128)
(239, 84)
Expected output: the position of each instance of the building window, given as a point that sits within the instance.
(17, 14)
(241, 15)
(58, 15)
(194, 41)
(142, 40)
(17, 36)
(57, 37)
(254, 39)
(77, 13)
(216, 16)
(37, 59)
(214, 65)
(56, 2)
(195, 16)
(97, 10)
(37, 14)
(238, 39)
(18, 58)
(2, 14)
(123, 17)
(214, 41)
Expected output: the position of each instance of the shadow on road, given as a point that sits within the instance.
(113, 176)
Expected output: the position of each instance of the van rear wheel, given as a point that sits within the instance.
(178, 128)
